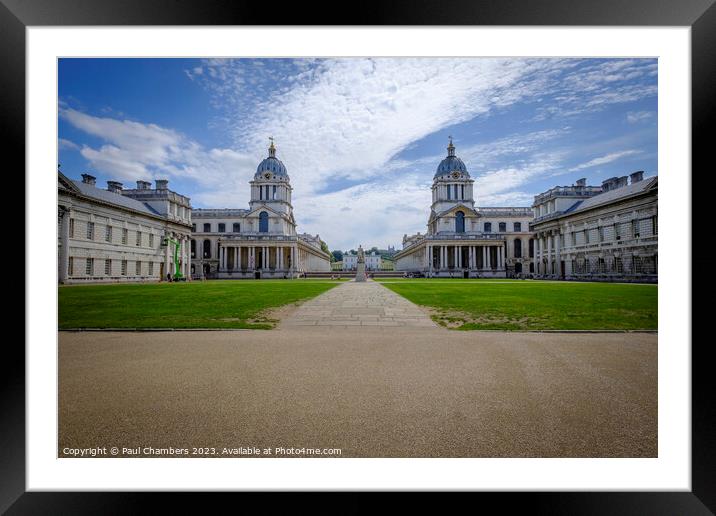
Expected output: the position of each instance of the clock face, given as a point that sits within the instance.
(456, 174)
(267, 175)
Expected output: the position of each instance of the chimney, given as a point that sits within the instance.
(88, 179)
(162, 184)
(582, 182)
(143, 185)
(609, 184)
(622, 181)
(114, 186)
(636, 176)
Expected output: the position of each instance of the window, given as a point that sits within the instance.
(532, 247)
(71, 267)
(503, 227)
(600, 232)
(193, 228)
(124, 236)
(89, 268)
(138, 269)
(124, 267)
(90, 231)
(193, 248)
(455, 190)
(207, 228)
(518, 248)
(237, 227)
(261, 193)
(72, 228)
(108, 233)
(222, 227)
(586, 236)
(635, 228)
(462, 191)
(151, 240)
(488, 227)
(207, 248)
(617, 265)
(273, 194)
(139, 238)
(654, 225)
(263, 222)
(151, 268)
(459, 222)
(517, 226)
(449, 190)
(107, 267)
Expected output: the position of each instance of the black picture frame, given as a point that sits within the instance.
(700, 15)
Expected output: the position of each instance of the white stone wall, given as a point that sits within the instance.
(118, 236)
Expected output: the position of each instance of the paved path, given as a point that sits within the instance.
(358, 304)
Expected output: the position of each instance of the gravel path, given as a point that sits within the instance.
(372, 392)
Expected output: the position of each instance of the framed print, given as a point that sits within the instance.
(415, 250)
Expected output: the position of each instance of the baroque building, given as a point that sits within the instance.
(258, 242)
(463, 240)
(607, 233)
(117, 235)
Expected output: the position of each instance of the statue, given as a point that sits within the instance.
(360, 269)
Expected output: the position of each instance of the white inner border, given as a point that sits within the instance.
(670, 471)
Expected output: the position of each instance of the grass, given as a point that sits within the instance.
(532, 305)
(208, 304)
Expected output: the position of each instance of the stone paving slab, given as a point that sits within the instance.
(358, 304)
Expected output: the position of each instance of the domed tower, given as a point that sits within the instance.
(271, 186)
(452, 184)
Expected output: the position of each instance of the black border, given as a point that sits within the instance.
(700, 15)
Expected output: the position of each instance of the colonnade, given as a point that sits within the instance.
(241, 258)
(470, 257)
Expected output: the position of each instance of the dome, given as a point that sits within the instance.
(451, 163)
(271, 165)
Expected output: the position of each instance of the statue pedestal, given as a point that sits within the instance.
(360, 272)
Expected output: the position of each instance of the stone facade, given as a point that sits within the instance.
(462, 240)
(259, 242)
(117, 235)
(607, 233)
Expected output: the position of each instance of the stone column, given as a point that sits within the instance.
(502, 257)
(488, 258)
(549, 253)
(64, 244)
(278, 259)
(484, 257)
(535, 250)
(293, 259)
(182, 261)
(167, 259)
(441, 252)
(557, 257)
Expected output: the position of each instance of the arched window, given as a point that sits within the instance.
(263, 222)
(518, 248)
(488, 227)
(237, 227)
(459, 222)
(207, 248)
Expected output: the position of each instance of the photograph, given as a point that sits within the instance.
(357, 257)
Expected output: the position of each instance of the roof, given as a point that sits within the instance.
(113, 198)
(613, 195)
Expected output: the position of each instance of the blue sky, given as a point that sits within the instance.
(361, 138)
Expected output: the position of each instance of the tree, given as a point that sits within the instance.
(324, 247)
(337, 256)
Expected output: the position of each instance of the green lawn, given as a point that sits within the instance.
(209, 304)
(532, 305)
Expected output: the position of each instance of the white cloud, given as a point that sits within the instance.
(134, 150)
(601, 160)
(634, 117)
(67, 144)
